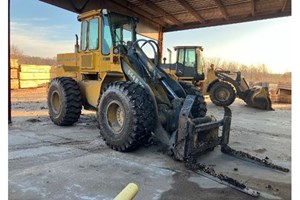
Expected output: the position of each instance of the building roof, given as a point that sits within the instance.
(174, 15)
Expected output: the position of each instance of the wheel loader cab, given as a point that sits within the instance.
(104, 36)
(189, 63)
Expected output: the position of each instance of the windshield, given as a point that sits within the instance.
(123, 29)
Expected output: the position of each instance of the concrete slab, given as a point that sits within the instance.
(51, 162)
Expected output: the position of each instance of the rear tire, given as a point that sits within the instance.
(222, 94)
(126, 115)
(64, 101)
(199, 108)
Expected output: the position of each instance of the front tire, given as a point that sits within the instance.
(199, 108)
(126, 115)
(222, 94)
(64, 101)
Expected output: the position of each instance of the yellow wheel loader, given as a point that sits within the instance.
(133, 96)
(221, 86)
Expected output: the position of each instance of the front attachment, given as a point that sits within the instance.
(259, 97)
(195, 136)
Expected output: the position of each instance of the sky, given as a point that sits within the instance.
(39, 29)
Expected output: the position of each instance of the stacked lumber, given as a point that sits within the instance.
(282, 93)
(14, 74)
(32, 76)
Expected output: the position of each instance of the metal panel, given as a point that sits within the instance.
(86, 61)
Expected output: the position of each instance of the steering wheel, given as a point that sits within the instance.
(154, 46)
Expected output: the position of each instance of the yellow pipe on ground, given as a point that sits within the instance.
(128, 193)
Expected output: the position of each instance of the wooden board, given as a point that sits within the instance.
(14, 73)
(14, 64)
(285, 99)
(36, 76)
(14, 84)
(33, 83)
(35, 68)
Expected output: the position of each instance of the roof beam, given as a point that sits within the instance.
(218, 22)
(161, 11)
(76, 7)
(139, 11)
(284, 5)
(188, 7)
(222, 8)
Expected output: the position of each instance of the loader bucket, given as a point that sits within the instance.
(259, 97)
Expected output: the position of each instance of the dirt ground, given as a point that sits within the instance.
(51, 162)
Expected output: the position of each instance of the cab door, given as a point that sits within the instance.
(89, 46)
(190, 65)
(186, 62)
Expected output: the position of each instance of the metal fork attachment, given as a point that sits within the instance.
(199, 135)
(247, 157)
(195, 136)
(210, 173)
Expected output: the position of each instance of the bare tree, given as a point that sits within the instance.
(15, 52)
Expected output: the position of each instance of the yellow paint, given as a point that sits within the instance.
(88, 14)
(90, 90)
(68, 60)
(128, 193)
(209, 78)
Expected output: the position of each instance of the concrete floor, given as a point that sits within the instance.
(51, 162)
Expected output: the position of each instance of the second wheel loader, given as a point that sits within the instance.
(222, 86)
(133, 96)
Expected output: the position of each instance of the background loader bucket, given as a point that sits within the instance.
(259, 97)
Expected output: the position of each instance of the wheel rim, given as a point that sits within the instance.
(55, 102)
(222, 94)
(115, 116)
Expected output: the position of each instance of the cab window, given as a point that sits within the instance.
(106, 36)
(181, 56)
(84, 26)
(93, 34)
(190, 58)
